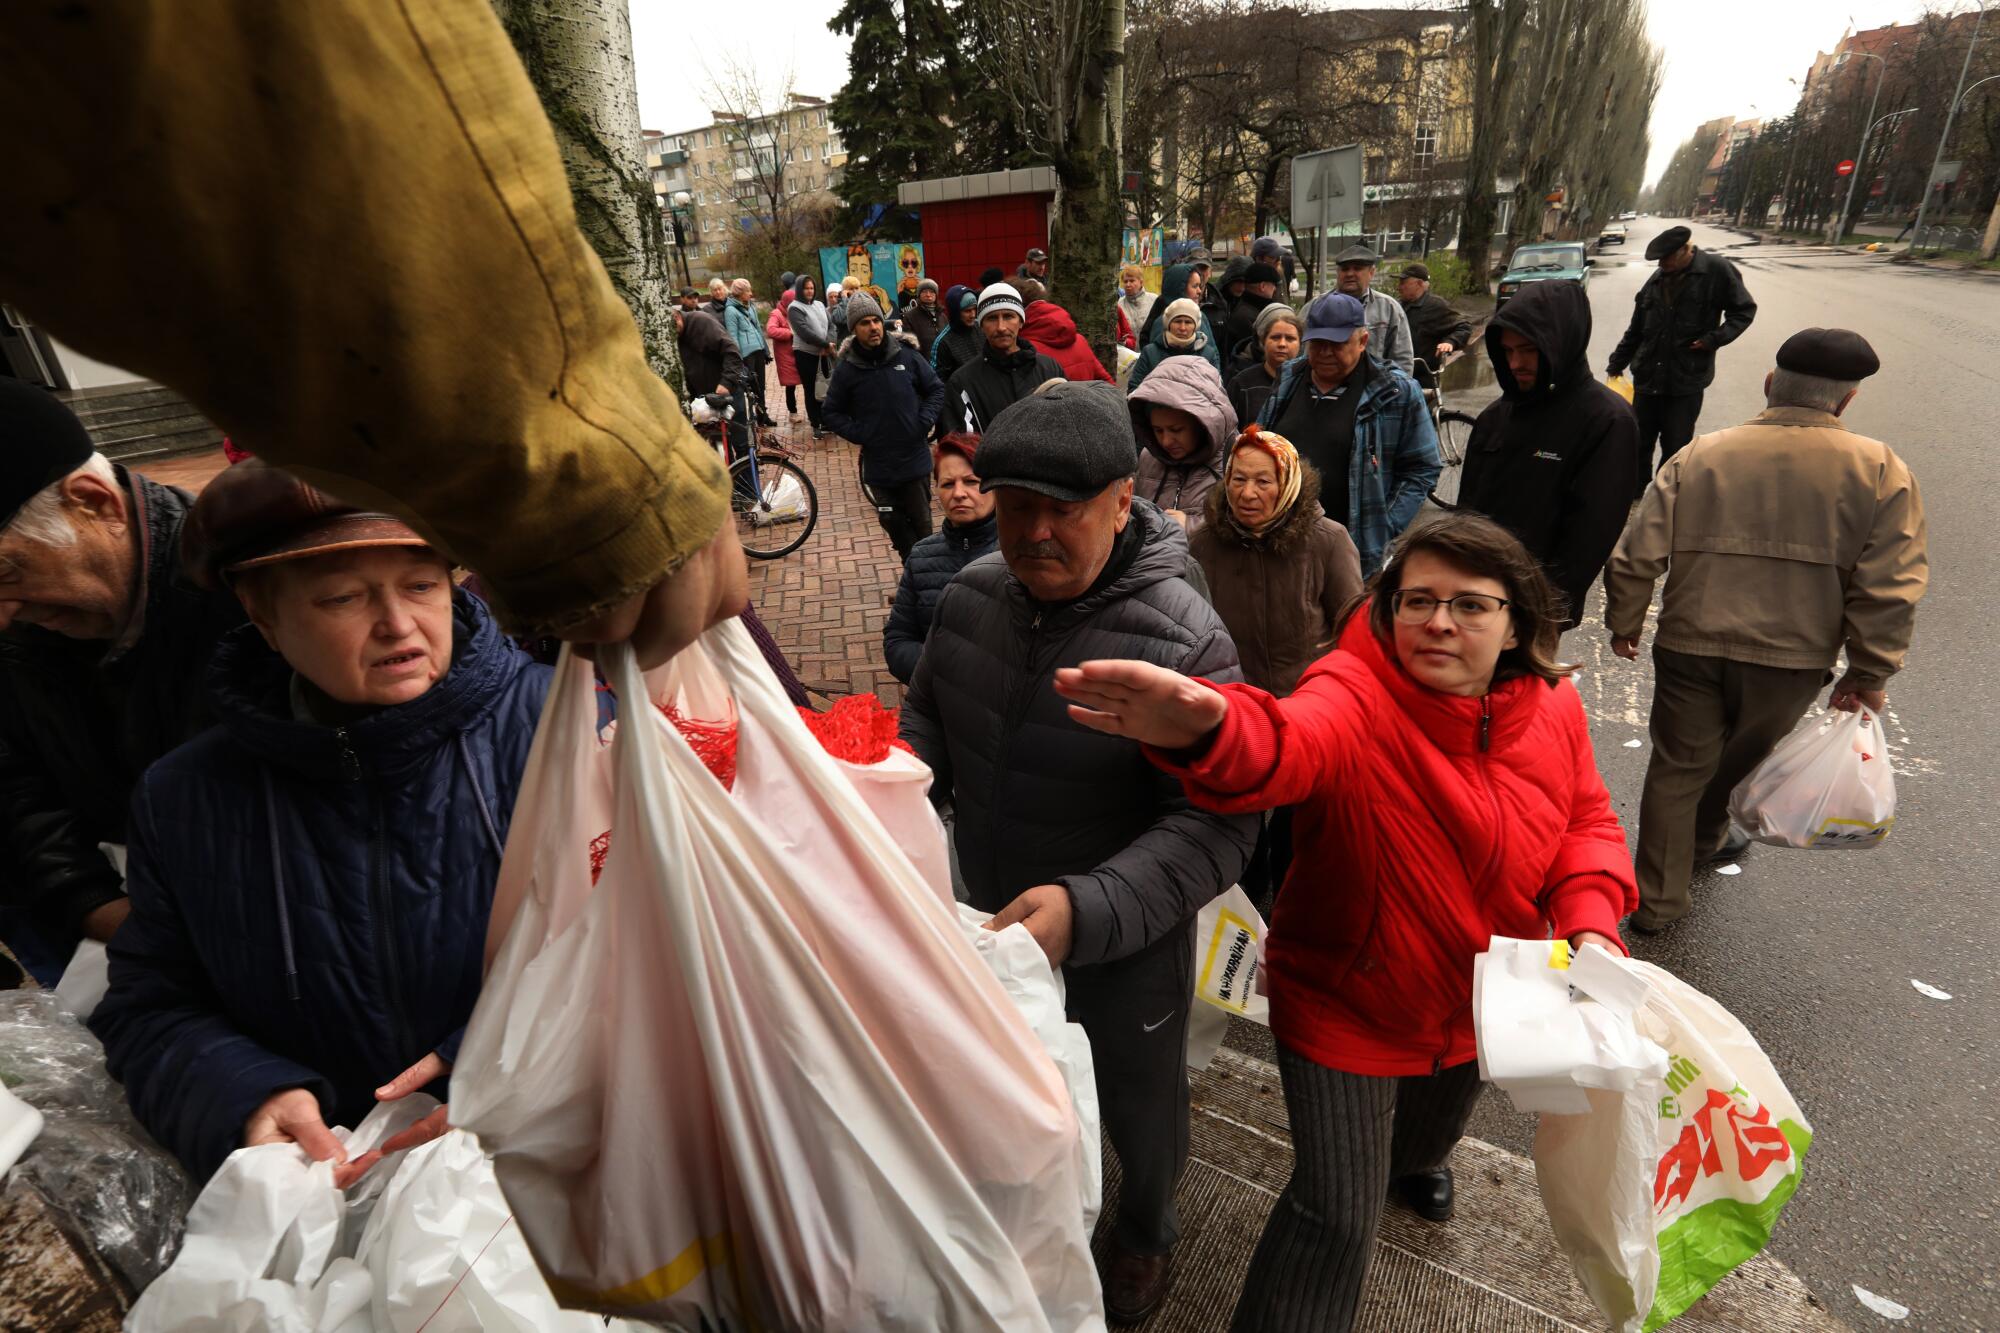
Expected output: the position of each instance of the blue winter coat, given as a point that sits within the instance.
(745, 329)
(887, 404)
(309, 903)
(1394, 463)
(931, 565)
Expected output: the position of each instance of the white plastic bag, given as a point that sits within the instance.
(1550, 1024)
(1828, 786)
(756, 1073)
(1658, 1192)
(1229, 962)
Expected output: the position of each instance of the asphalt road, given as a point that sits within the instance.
(1815, 952)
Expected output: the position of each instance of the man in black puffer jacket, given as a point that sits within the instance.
(1068, 831)
(1007, 369)
(1555, 458)
(885, 397)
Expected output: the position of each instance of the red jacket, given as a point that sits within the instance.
(1412, 845)
(1050, 329)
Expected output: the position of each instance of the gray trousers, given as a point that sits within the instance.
(1351, 1135)
(1713, 721)
(1135, 1011)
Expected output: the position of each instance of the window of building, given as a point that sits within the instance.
(1377, 169)
(1389, 66)
(1426, 146)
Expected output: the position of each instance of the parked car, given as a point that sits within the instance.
(1545, 261)
(1627, 216)
(1613, 234)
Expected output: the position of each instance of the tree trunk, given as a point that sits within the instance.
(1496, 27)
(1085, 241)
(578, 54)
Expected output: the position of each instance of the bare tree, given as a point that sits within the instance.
(1496, 44)
(578, 53)
(767, 133)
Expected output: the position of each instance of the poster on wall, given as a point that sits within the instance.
(876, 265)
(1146, 247)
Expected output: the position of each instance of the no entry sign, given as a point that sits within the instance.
(1845, 167)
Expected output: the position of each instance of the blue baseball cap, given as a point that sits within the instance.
(1333, 318)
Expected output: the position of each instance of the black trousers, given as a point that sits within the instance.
(904, 511)
(1667, 418)
(1135, 1011)
(1351, 1135)
(753, 366)
(808, 364)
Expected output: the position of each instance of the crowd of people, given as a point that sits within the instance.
(1169, 640)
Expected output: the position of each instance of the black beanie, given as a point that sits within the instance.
(41, 442)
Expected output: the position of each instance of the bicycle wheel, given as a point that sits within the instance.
(774, 504)
(1454, 431)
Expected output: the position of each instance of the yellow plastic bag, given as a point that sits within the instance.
(1620, 385)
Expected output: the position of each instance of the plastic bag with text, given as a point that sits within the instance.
(1657, 1193)
(756, 1074)
(1829, 786)
(1228, 960)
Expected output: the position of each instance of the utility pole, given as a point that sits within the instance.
(1839, 223)
(1924, 200)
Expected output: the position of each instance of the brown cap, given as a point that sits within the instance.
(254, 514)
(1417, 271)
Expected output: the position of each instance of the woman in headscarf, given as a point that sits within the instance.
(960, 341)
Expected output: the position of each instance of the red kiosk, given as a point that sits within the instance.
(973, 223)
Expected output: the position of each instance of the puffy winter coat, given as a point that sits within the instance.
(987, 385)
(309, 902)
(1556, 464)
(1280, 593)
(1709, 303)
(79, 725)
(1394, 462)
(744, 327)
(1051, 330)
(932, 563)
(1187, 384)
(886, 401)
(1426, 824)
(1043, 799)
(778, 331)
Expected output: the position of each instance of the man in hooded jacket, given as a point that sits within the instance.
(1554, 459)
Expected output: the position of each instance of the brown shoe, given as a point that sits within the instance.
(1135, 1284)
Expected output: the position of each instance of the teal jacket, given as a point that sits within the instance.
(744, 328)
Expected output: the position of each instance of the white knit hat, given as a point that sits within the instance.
(1001, 296)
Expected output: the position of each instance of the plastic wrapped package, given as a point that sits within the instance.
(124, 1191)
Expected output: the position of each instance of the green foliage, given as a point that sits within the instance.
(763, 258)
(1452, 276)
(906, 87)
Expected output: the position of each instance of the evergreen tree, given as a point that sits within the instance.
(906, 87)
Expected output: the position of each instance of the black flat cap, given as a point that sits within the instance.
(1070, 440)
(1668, 241)
(1262, 272)
(41, 442)
(1357, 254)
(1832, 354)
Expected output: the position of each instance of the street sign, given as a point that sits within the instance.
(1845, 167)
(1326, 194)
(1946, 173)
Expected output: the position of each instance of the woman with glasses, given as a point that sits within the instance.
(1446, 792)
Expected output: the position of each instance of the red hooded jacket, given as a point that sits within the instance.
(1415, 841)
(1050, 329)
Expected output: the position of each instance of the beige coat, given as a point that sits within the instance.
(1783, 540)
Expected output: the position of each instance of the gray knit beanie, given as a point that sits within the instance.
(860, 306)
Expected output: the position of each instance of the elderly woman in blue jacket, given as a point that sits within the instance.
(310, 879)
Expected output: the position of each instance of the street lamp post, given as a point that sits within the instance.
(1839, 226)
(1924, 200)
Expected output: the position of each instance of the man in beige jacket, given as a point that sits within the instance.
(1784, 540)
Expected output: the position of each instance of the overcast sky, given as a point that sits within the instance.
(1724, 57)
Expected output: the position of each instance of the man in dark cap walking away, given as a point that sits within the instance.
(1436, 329)
(1784, 541)
(1069, 832)
(1694, 303)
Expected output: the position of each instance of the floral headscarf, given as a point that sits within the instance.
(1290, 474)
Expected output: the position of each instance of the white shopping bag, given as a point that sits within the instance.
(1828, 786)
(1550, 1023)
(1657, 1192)
(756, 1074)
(1228, 962)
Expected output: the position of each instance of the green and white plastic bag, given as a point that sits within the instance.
(1655, 1194)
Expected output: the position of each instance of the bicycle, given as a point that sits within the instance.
(1454, 433)
(772, 499)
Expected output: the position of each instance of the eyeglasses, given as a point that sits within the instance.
(1469, 610)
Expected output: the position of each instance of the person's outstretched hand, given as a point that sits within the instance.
(414, 1079)
(710, 588)
(1147, 703)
